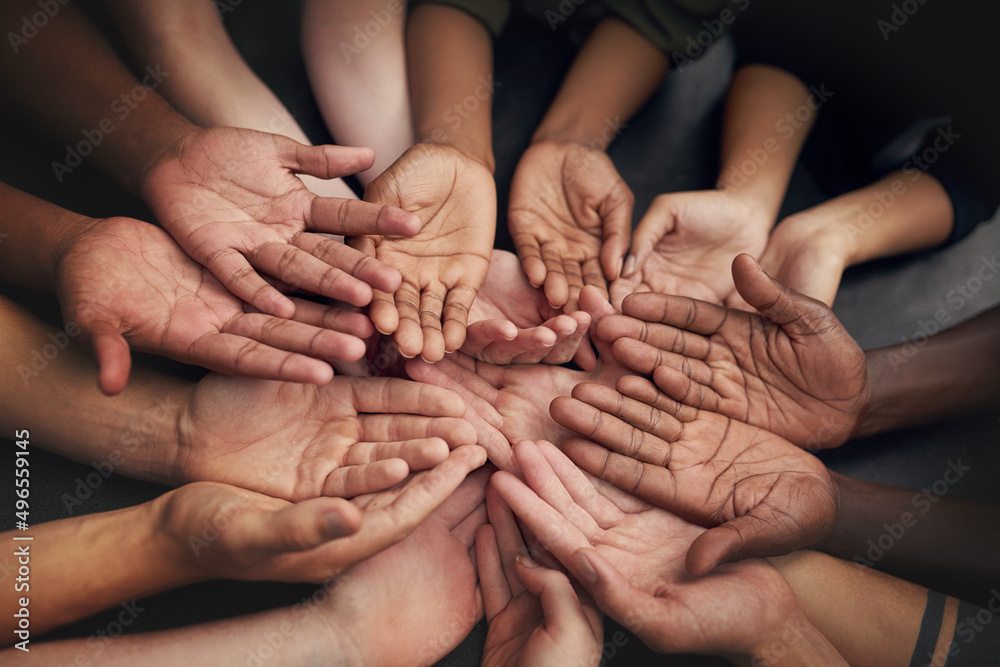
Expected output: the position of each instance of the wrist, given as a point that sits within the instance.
(796, 642)
(760, 201)
(871, 412)
(756, 217)
(469, 147)
(593, 134)
(162, 142)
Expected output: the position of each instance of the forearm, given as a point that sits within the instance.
(70, 81)
(768, 116)
(33, 231)
(450, 63)
(612, 77)
(919, 533)
(933, 378)
(359, 79)
(50, 389)
(81, 565)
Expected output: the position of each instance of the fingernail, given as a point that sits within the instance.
(629, 265)
(587, 570)
(526, 561)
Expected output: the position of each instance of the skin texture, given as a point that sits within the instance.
(763, 495)
(590, 525)
(445, 263)
(534, 614)
(264, 538)
(294, 441)
(128, 285)
(570, 215)
(792, 370)
(507, 404)
(512, 322)
(685, 245)
(231, 198)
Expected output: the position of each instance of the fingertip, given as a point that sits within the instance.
(114, 362)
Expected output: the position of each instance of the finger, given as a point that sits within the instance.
(303, 271)
(568, 344)
(418, 453)
(324, 161)
(398, 396)
(679, 387)
(583, 489)
(348, 481)
(496, 591)
(304, 526)
(333, 318)
(431, 306)
(363, 267)
(480, 335)
(527, 248)
(296, 337)
(561, 607)
(510, 544)
(465, 531)
(542, 479)
(616, 213)
(354, 217)
(585, 357)
(556, 287)
(235, 272)
(392, 427)
(467, 500)
(593, 275)
(409, 335)
(644, 391)
(451, 375)
(651, 483)
(657, 223)
(553, 532)
(529, 347)
(456, 316)
(610, 431)
(796, 313)
(573, 271)
(680, 312)
(236, 355)
(644, 358)
(112, 353)
(664, 337)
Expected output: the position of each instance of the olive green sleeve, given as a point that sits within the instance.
(669, 24)
(492, 13)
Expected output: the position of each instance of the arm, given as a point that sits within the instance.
(209, 82)
(902, 212)
(570, 211)
(920, 381)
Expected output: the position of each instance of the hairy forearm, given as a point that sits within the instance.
(50, 389)
(612, 77)
(768, 116)
(450, 62)
(934, 378)
(69, 80)
(919, 533)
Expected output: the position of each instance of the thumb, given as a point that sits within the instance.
(560, 604)
(787, 308)
(612, 593)
(112, 353)
(616, 213)
(323, 161)
(746, 536)
(658, 222)
(305, 525)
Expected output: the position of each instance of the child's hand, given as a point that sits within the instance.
(570, 216)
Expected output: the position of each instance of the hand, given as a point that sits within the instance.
(511, 322)
(423, 591)
(570, 216)
(685, 244)
(231, 198)
(508, 404)
(228, 532)
(445, 263)
(535, 616)
(795, 371)
(764, 495)
(630, 556)
(350, 437)
(126, 283)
